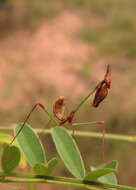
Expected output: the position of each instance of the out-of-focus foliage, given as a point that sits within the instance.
(23, 13)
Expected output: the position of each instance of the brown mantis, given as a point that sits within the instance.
(101, 91)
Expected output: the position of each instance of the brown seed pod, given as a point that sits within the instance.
(102, 88)
(107, 77)
(57, 108)
(99, 85)
(100, 94)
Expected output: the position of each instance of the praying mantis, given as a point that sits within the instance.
(101, 92)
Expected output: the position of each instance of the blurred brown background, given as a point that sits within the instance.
(50, 48)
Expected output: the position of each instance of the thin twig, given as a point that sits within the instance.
(31, 178)
(119, 137)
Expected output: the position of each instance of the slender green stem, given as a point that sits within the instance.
(84, 99)
(49, 182)
(24, 175)
(60, 180)
(31, 186)
(86, 134)
(96, 135)
(107, 136)
(3, 128)
(107, 185)
(31, 178)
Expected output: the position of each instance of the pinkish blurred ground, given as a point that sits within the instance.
(51, 55)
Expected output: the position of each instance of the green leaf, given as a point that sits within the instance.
(47, 169)
(109, 178)
(93, 175)
(4, 138)
(40, 169)
(52, 165)
(10, 158)
(30, 144)
(112, 164)
(68, 151)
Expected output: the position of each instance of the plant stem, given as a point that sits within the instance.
(31, 186)
(96, 135)
(60, 181)
(49, 182)
(44, 179)
(3, 128)
(86, 134)
(84, 99)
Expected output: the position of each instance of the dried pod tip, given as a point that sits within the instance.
(100, 122)
(107, 77)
